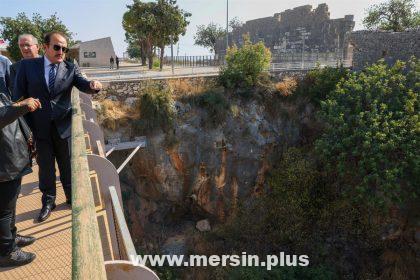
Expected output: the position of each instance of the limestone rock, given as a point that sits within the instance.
(175, 245)
(203, 225)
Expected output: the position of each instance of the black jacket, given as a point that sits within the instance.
(56, 106)
(15, 159)
(14, 69)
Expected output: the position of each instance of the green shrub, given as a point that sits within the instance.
(244, 65)
(156, 109)
(156, 63)
(282, 216)
(298, 216)
(371, 143)
(216, 105)
(319, 82)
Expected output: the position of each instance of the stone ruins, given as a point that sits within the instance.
(302, 28)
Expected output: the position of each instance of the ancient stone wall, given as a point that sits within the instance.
(370, 46)
(127, 91)
(283, 32)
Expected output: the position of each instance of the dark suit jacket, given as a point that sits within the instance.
(14, 68)
(30, 82)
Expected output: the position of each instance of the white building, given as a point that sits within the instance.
(95, 53)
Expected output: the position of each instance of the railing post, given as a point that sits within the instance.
(87, 254)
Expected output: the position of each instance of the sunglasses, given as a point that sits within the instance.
(57, 48)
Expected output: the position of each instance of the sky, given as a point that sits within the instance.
(94, 19)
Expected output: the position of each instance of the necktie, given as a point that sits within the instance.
(51, 78)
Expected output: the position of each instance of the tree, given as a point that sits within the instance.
(371, 141)
(135, 50)
(394, 15)
(11, 28)
(207, 36)
(139, 24)
(171, 23)
(235, 23)
(154, 24)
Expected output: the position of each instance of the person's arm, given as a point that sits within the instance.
(11, 112)
(81, 82)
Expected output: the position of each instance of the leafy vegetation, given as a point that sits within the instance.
(319, 82)
(302, 213)
(394, 15)
(156, 109)
(371, 142)
(207, 36)
(154, 24)
(245, 65)
(11, 28)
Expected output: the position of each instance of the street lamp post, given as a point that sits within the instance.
(172, 55)
(227, 25)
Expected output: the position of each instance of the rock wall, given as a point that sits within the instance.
(127, 91)
(203, 168)
(368, 47)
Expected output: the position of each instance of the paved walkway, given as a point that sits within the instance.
(53, 245)
(141, 72)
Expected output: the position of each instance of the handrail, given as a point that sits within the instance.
(87, 254)
(308, 65)
(129, 248)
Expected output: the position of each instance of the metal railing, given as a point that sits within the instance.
(308, 65)
(87, 254)
(194, 61)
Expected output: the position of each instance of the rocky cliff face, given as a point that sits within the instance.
(202, 169)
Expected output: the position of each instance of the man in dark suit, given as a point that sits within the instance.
(50, 79)
(29, 48)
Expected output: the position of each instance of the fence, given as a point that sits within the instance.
(308, 65)
(194, 61)
(87, 256)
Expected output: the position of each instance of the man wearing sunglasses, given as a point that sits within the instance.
(50, 79)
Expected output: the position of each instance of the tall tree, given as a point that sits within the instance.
(207, 36)
(154, 24)
(139, 24)
(172, 22)
(135, 50)
(11, 28)
(394, 15)
(235, 23)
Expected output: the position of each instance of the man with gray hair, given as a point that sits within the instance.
(29, 48)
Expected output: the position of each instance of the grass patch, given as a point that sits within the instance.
(113, 114)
